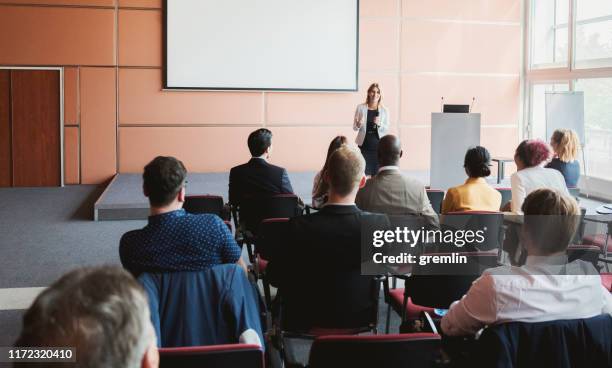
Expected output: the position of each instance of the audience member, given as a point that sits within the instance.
(565, 145)
(317, 269)
(529, 157)
(101, 312)
(173, 239)
(547, 287)
(320, 187)
(390, 191)
(476, 194)
(258, 177)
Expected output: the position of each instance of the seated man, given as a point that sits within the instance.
(547, 287)
(175, 240)
(392, 192)
(258, 177)
(101, 312)
(317, 265)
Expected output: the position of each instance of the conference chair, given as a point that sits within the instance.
(324, 304)
(214, 356)
(603, 242)
(271, 234)
(207, 203)
(252, 210)
(209, 307)
(489, 222)
(436, 286)
(587, 253)
(436, 196)
(506, 194)
(559, 344)
(606, 280)
(417, 350)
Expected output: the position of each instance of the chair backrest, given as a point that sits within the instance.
(488, 222)
(253, 210)
(198, 204)
(506, 194)
(436, 196)
(438, 285)
(588, 253)
(562, 344)
(271, 233)
(214, 356)
(606, 280)
(209, 307)
(389, 351)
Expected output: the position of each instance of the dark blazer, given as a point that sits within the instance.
(317, 268)
(256, 178)
(562, 344)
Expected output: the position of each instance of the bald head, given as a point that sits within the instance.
(389, 151)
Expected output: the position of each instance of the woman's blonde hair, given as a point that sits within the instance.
(567, 144)
(372, 86)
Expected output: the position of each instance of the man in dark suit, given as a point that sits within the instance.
(258, 177)
(317, 262)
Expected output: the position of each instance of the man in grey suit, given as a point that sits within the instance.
(391, 192)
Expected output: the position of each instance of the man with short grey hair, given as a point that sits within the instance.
(101, 312)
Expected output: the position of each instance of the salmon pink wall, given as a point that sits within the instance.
(117, 117)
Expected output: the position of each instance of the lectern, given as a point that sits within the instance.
(451, 135)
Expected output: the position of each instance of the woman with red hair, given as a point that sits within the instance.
(530, 157)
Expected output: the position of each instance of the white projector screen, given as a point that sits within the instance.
(304, 45)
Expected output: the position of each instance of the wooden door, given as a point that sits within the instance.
(35, 125)
(5, 129)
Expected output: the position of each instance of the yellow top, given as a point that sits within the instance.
(474, 195)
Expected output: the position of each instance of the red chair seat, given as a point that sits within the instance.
(598, 240)
(606, 281)
(413, 311)
(262, 265)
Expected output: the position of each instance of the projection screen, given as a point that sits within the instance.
(302, 45)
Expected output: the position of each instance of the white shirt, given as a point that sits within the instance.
(527, 180)
(544, 289)
(390, 167)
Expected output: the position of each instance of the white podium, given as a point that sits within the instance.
(451, 135)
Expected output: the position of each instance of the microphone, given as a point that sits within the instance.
(472, 104)
(442, 104)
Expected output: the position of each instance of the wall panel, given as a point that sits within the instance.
(474, 10)
(416, 144)
(71, 155)
(98, 125)
(140, 4)
(455, 47)
(378, 8)
(71, 96)
(378, 44)
(496, 97)
(202, 149)
(140, 38)
(56, 36)
(5, 129)
(142, 101)
(308, 152)
(84, 3)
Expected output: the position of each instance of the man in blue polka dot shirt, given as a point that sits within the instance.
(175, 240)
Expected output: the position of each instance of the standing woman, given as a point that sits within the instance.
(372, 122)
(565, 144)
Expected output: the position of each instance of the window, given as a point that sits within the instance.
(597, 125)
(549, 33)
(593, 36)
(579, 31)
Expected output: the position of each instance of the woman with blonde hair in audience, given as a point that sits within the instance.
(320, 187)
(565, 145)
(476, 194)
(529, 157)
